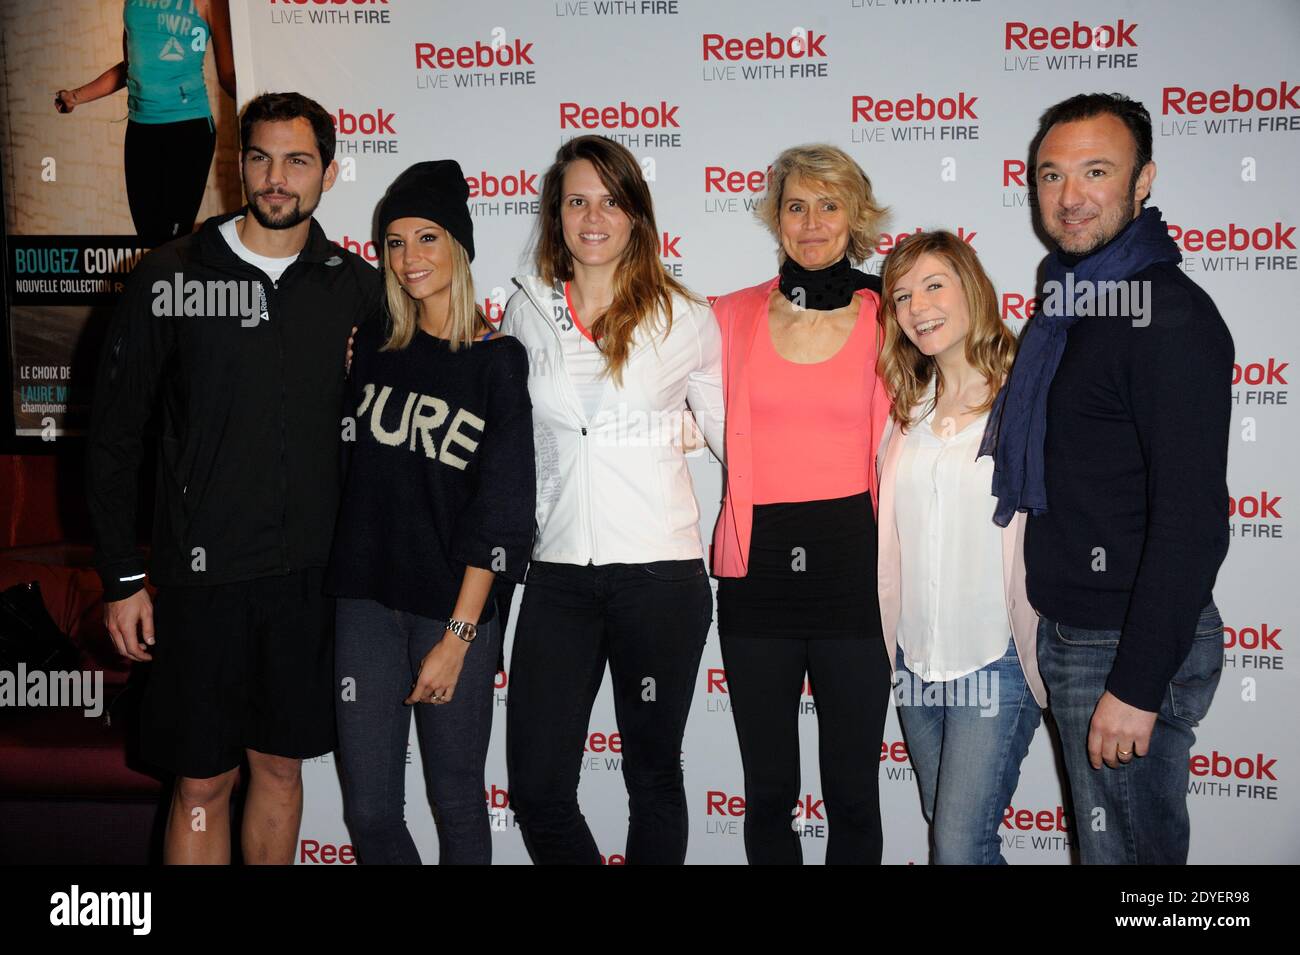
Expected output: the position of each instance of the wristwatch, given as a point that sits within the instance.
(463, 629)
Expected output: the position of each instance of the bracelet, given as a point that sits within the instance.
(463, 629)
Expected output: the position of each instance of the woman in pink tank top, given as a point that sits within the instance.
(795, 546)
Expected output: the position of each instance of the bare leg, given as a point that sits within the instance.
(272, 809)
(198, 825)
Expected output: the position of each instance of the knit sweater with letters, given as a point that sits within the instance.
(441, 472)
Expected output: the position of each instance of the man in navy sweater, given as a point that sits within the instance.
(1128, 494)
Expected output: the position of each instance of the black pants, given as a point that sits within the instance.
(650, 622)
(851, 684)
(166, 172)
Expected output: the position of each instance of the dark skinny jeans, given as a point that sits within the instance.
(381, 649)
(649, 622)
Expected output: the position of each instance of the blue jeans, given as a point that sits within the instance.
(381, 649)
(1136, 814)
(966, 739)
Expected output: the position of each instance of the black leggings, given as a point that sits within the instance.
(166, 172)
(851, 685)
(650, 622)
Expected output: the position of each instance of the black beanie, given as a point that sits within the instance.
(436, 191)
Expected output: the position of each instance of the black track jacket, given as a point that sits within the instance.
(251, 400)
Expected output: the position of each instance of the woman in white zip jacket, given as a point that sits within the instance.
(617, 350)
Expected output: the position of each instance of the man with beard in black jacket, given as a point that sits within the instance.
(238, 331)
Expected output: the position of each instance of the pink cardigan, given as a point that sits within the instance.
(740, 315)
(1023, 617)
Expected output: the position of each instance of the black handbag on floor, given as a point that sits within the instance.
(29, 635)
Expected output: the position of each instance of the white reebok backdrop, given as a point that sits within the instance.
(937, 101)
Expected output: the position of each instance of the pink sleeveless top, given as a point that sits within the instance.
(811, 423)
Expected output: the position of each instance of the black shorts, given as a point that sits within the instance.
(247, 665)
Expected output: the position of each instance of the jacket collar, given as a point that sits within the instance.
(543, 298)
(551, 304)
(213, 249)
(542, 295)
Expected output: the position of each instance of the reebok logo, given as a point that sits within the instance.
(1234, 238)
(770, 46)
(430, 56)
(488, 186)
(916, 109)
(378, 123)
(1239, 99)
(1246, 767)
(1077, 36)
(622, 116)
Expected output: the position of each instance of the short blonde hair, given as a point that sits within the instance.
(835, 170)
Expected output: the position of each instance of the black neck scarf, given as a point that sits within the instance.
(824, 289)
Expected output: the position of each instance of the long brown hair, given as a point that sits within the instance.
(990, 346)
(642, 287)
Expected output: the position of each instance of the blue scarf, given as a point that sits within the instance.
(1017, 421)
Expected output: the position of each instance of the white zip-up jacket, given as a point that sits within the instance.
(616, 488)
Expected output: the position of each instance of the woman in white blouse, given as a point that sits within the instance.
(956, 621)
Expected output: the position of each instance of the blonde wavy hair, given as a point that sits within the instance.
(832, 168)
(990, 346)
(467, 320)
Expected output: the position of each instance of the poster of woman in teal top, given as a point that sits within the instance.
(170, 135)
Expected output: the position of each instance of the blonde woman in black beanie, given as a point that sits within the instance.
(437, 516)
